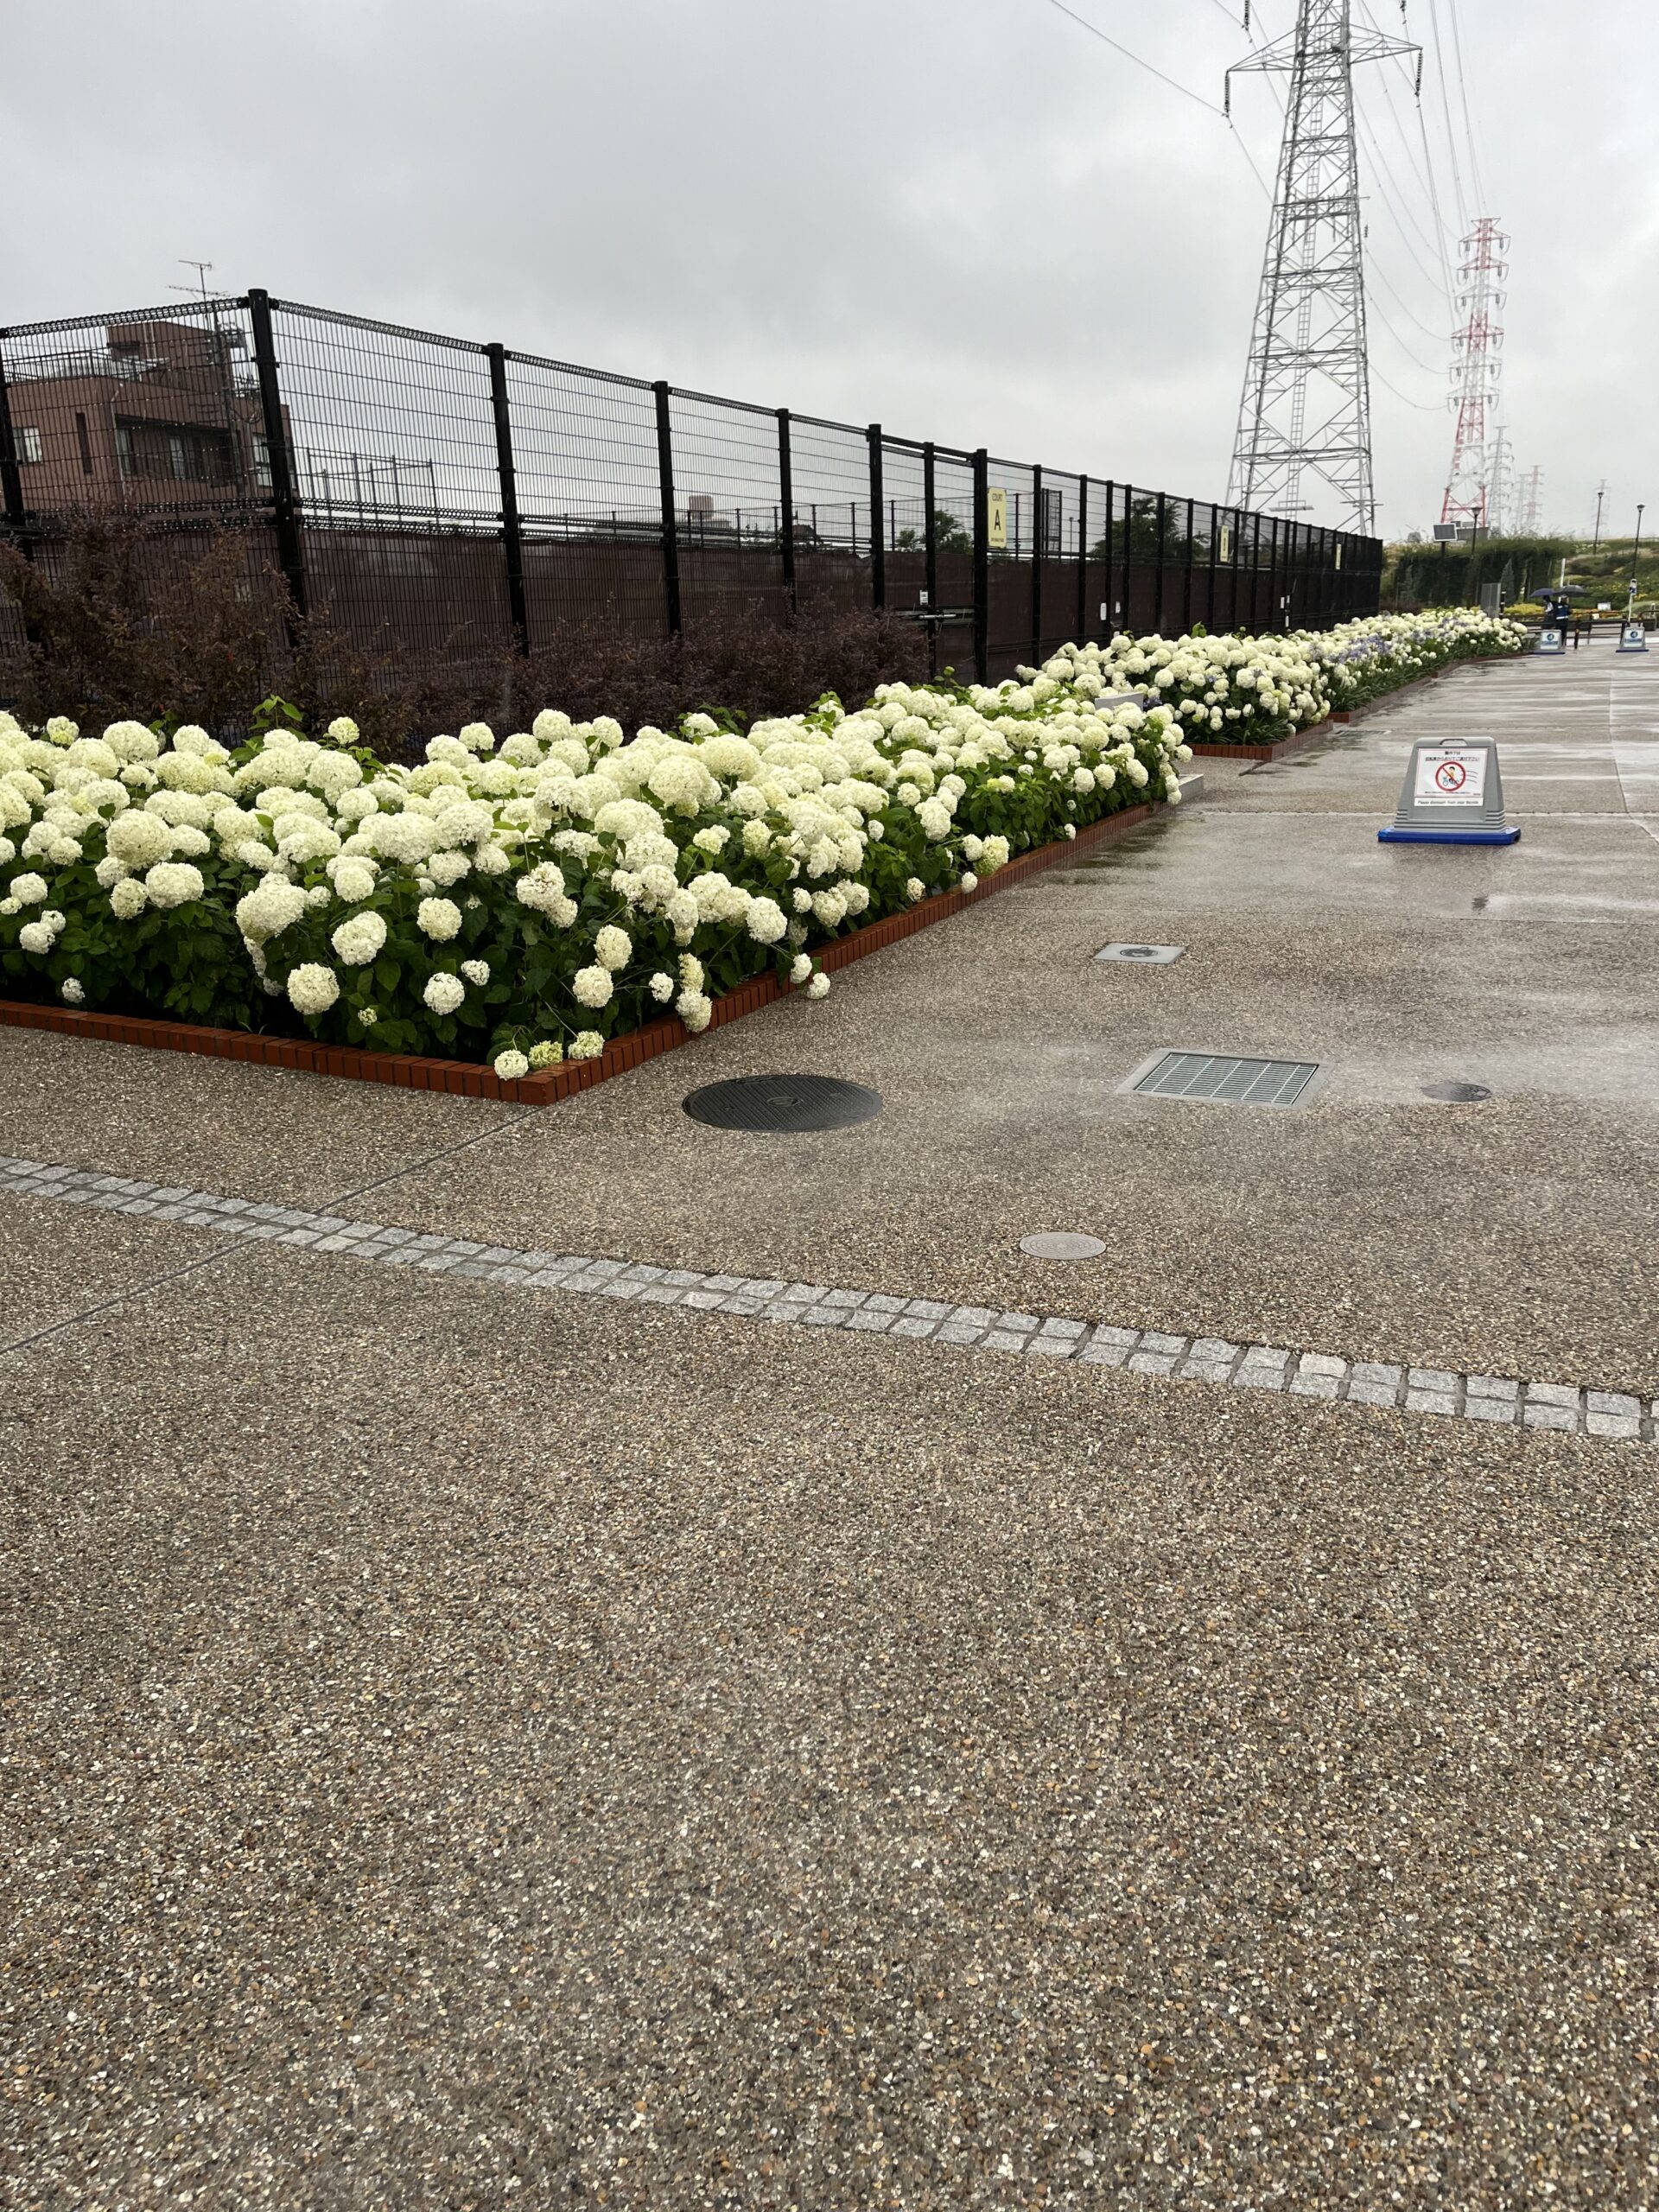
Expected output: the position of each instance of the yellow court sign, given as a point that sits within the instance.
(996, 511)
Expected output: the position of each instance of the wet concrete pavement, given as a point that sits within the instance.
(469, 1748)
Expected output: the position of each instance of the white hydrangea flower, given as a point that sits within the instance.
(343, 730)
(587, 1045)
(661, 987)
(542, 888)
(174, 883)
(546, 1053)
(34, 936)
(359, 940)
(970, 881)
(71, 991)
(29, 889)
(593, 987)
(439, 918)
(128, 899)
(354, 880)
(312, 988)
(766, 921)
(476, 971)
(510, 1066)
(695, 1009)
(819, 986)
(443, 993)
(915, 889)
(800, 969)
(268, 910)
(613, 948)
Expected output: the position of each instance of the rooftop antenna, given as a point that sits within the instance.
(199, 289)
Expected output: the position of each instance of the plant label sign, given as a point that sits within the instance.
(1551, 641)
(1451, 775)
(1635, 639)
(1452, 795)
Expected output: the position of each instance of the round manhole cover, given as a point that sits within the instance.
(1062, 1244)
(1460, 1094)
(783, 1103)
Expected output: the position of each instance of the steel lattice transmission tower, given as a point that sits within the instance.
(1306, 407)
(1532, 502)
(1476, 372)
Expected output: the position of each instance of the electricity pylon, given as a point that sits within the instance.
(1477, 370)
(1306, 407)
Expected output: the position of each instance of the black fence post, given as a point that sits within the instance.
(11, 480)
(284, 507)
(1037, 564)
(1186, 587)
(1129, 554)
(1160, 522)
(1255, 522)
(1082, 559)
(512, 543)
(930, 537)
(670, 526)
(981, 564)
(877, 522)
(1210, 592)
(787, 503)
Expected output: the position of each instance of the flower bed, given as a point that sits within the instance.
(1259, 691)
(528, 901)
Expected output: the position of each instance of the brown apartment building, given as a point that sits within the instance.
(167, 415)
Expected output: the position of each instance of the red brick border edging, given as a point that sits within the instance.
(467, 1080)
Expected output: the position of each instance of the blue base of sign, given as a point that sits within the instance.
(1447, 837)
(1632, 649)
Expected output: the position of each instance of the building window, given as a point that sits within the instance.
(260, 460)
(85, 443)
(123, 449)
(29, 443)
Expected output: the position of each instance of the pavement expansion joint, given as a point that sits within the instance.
(1567, 1408)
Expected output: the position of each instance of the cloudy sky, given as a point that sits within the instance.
(969, 219)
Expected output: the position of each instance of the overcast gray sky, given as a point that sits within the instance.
(968, 220)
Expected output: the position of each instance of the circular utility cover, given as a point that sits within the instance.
(783, 1103)
(1062, 1244)
(1460, 1094)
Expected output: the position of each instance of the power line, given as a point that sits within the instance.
(1423, 406)
(1174, 83)
(1445, 108)
(1463, 95)
(1402, 305)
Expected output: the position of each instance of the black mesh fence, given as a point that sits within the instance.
(445, 501)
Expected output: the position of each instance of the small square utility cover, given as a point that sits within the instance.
(1150, 955)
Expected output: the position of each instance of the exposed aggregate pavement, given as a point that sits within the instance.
(465, 1750)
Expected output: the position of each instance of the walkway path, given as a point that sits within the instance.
(472, 1742)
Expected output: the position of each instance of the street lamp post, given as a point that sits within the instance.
(1636, 551)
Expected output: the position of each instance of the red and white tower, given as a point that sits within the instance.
(1477, 371)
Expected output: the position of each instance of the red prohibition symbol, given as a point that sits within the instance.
(1451, 776)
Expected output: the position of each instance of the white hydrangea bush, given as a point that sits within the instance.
(1231, 690)
(525, 900)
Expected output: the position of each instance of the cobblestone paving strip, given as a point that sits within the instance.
(1569, 1408)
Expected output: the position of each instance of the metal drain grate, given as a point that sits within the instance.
(1158, 955)
(1229, 1080)
(783, 1103)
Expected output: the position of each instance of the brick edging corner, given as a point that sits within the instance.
(469, 1079)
